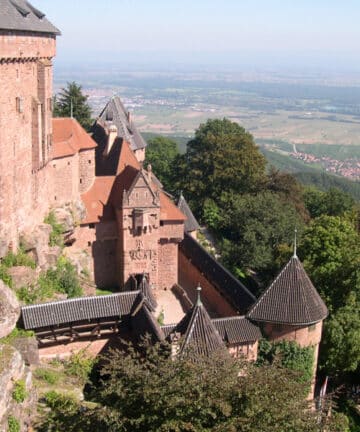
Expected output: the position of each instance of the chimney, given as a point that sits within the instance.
(129, 117)
(111, 139)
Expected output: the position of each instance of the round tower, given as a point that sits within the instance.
(291, 309)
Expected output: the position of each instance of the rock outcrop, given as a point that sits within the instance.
(13, 371)
(9, 310)
(22, 276)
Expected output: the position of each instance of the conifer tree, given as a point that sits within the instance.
(71, 102)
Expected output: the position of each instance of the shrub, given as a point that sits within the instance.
(60, 401)
(17, 333)
(80, 365)
(56, 235)
(18, 259)
(19, 393)
(47, 375)
(63, 279)
(13, 424)
(11, 260)
(290, 355)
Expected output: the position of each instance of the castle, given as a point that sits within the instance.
(140, 241)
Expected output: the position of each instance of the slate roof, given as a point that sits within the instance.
(143, 321)
(78, 309)
(147, 292)
(115, 113)
(22, 16)
(199, 333)
(233, 290)
(232, 330)
(291, 299)
(238, 329)
(191, 224)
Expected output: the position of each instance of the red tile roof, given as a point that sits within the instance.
(168, 210)
(109, 190)
(96, 199)
(69, 138)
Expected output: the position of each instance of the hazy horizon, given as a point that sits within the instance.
(252, 35)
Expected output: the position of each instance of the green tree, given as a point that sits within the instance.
(334, 202)
(221, 157)
(151, 391)
(253, 227)
(161, 153)
(330, 250)
(341, 339)
(72, 100)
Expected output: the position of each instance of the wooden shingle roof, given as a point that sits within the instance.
(291, 299)
(199, 333)
(238, 329)
(78, 309)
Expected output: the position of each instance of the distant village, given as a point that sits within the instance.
(349, 168)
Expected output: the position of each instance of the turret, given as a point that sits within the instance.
(291, 308)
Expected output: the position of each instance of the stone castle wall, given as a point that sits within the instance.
(25, 130)
(190, 277)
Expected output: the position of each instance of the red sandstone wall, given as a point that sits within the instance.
(65, 178)
(23, 190)
(247, 350)
(168, 265)
(190, 277)
(26, 45)
(86, 169)
(304, 336)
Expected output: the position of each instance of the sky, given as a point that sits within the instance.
(313, 33)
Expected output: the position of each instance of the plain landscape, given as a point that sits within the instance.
(310, 118)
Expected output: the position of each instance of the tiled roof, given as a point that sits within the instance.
(22, 16)
(96, 200)
(144, 323)
(78, 309)
(115, 113)
(199, 333)
(147, 292)
(232, 289)
(191, 224)
(69, 138)
(291, 299)
(237, 329)
(232, 330)
(168, 210)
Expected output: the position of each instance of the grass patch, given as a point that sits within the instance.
(47, 375)
(11, 260)
(19, 393)
(13, 424)
(56, 235)
(100, 292)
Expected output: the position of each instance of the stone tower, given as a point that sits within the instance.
(27, 46)
(291, 308)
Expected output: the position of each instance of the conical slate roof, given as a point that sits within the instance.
(291, 299)
(191, 224)
(199, 333)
